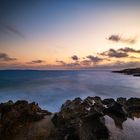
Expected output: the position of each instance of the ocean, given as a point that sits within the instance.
(52, 88)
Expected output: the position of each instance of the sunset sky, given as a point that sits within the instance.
(69, 34)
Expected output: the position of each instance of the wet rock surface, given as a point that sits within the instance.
(77, 119)
(134, 71)
(85, 119)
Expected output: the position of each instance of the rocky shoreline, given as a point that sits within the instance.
(77, 119)
(134, 71)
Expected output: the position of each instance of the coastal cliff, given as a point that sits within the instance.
(77, 119)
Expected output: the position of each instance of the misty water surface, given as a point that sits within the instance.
(51, 88)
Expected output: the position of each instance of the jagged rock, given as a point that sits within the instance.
(133, 107)
(89, 101)
(121, 100)
(97, 108)
(77, 120)
(133, 102)
(93, 128)
(116, 109)
(71, 104)
(108, 101)
(15, 116)
(74, 121)
(73, 109)
(97, 100)
(118, 113)
(66, 104)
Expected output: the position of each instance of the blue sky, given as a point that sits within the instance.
(54, 30)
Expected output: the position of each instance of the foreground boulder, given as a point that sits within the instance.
(93, 128)
(81, 120)
(85, 119)
(18, 115)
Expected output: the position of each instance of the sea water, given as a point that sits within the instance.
(52, 88)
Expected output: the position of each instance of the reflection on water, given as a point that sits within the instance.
(135, 115)
(51, 88)
(130, 131)
(118, 121)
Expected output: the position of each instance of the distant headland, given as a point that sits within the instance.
(129, 71)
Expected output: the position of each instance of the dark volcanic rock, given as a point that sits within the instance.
(15, 116)
(116, 109)
(108, 102)
(89, 101)
(121, 100)
(73, 109)
(97, 100)
(133, 102)
(93, 128)
(77, 120)
(81, 120)
(97, 108)
(133, 106)
(84, 119)
(117, 112)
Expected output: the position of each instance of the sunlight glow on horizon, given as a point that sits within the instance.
(81, 30)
